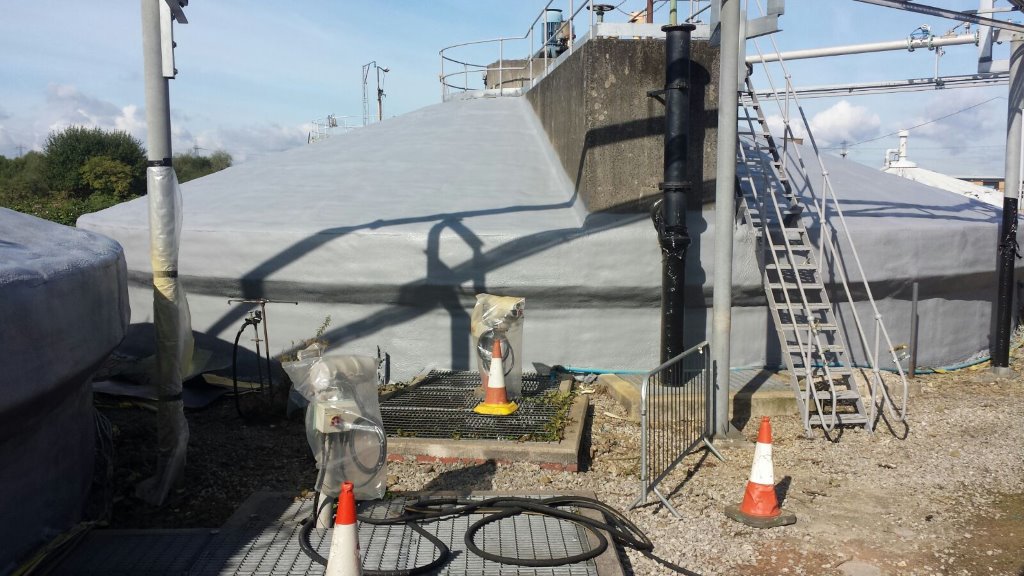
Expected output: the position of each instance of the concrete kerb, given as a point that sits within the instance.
(744, 403)
(561, 455)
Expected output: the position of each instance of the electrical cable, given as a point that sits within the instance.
(932, 121)
(622, 530)
(234, 367)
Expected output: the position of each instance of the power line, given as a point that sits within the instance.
(932, 121)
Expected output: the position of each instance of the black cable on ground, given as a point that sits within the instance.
(621, 529)
(234, 368)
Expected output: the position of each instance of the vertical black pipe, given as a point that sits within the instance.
(670, 220)
(1008, 251)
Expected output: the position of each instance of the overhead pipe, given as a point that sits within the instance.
(670, 213)
(909, 44)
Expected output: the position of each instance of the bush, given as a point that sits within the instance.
(191, 166)
(68, 150)
(107, 177)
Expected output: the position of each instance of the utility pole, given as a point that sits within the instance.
(725, 209)
(372, 65)
(170, 308)
(21, 150)
(1007, 247)
(380, 95)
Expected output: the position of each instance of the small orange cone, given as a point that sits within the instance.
(344, 557)
(760, 507)
(496, 402)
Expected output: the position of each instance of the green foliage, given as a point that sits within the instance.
(68, 150)
(22, 177)
(107, 177)
(191, 166)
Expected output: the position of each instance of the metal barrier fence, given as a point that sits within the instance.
(675, 417)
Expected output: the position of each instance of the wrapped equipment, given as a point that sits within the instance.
(500, 317)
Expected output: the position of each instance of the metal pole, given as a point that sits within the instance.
(1007, 247)
(380, 98)
(725, 188)
(158, 103)
(670, 220)
(932, 42)
(650, 11)
(672, 17)
(913, 334)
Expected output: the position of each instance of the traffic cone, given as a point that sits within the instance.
(760, 507)
(344, 556)
(496, 402)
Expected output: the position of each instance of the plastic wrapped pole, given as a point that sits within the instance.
(170, 308)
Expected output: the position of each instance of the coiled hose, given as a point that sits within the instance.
(621, 529)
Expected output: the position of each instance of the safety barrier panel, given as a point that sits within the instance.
(675, 417)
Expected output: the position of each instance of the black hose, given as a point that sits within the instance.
(621, 529)
(234, 368)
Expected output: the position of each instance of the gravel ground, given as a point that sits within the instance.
(946, 499)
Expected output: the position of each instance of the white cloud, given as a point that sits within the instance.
(245, 142)
(844, 122)
(65, 105)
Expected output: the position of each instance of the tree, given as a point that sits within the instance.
(191, 166)
(68, 150)
(108, 177)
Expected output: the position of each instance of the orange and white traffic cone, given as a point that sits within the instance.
(496, 402)
(760, 507)
(344, 557)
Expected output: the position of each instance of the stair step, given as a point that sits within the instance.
(832, 349)
(820, 371)
(786, 266)
(841, 395)
(799, 307)
(849, 419)
(804, 326)
(795, 286)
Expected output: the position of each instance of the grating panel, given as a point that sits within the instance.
(130, 552)
(275, 549)
(441, 406)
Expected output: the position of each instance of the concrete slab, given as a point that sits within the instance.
(561, 455)
(753, 393)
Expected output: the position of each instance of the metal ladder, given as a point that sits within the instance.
(809, 336)
(813, 346)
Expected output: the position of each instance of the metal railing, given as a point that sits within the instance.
(826, 203)
(461, 61)
(675, 417)
(540, 49)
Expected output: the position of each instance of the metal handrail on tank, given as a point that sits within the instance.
(827, 247)
(447, 79)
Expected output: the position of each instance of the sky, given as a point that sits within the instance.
(254, 75)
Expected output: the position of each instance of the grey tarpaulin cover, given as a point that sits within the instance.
(173, 333)
(63, 308)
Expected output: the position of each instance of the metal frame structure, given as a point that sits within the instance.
(675, 418)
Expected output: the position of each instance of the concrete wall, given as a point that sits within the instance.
(609, 134)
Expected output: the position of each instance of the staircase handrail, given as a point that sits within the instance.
(879, 388)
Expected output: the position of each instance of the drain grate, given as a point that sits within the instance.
(441, 406)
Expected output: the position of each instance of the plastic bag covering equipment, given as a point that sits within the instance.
(500, 317)
(173, 325)
(348, 384)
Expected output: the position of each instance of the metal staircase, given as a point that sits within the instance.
(821, 367)
(809, 336)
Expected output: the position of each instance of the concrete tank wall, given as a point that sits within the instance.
(609, 135)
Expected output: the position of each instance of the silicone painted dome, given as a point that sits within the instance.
(392, 229)
(64, 304)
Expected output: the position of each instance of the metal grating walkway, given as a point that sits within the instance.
(441, 406)
(270, 547)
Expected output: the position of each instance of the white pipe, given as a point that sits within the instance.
(906, 44)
